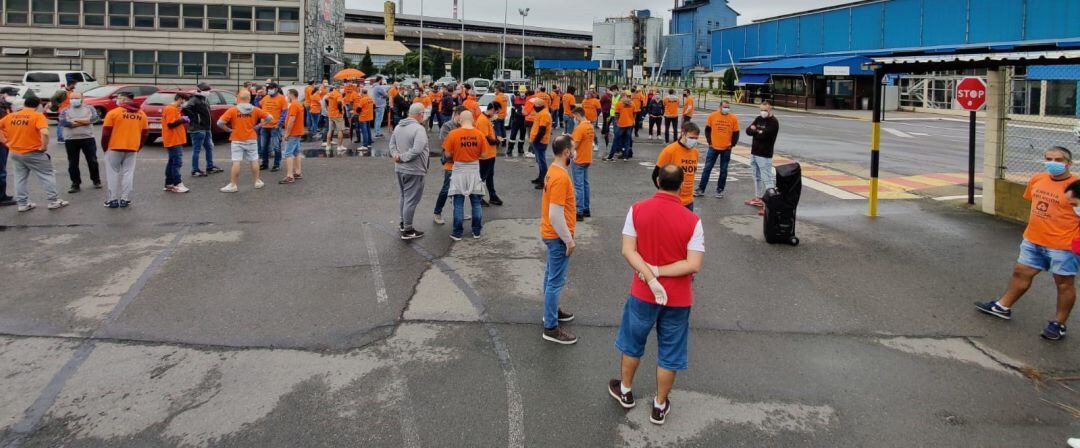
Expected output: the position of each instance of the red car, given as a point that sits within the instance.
(220, 101)
(103, 98)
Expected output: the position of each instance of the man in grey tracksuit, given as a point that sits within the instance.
(409, 149)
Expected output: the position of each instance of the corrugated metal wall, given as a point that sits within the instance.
(895, 24)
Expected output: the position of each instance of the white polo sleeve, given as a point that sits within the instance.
(697, 241)
(628, 226)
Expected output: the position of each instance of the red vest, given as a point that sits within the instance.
(664, 229)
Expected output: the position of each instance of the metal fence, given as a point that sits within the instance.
(1043, 113)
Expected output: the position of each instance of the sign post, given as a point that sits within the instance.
(971, 96)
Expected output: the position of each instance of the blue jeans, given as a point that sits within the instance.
(440, 202)
(380, 114)
(710, 161)
(540, 150)
(672, 329)
(201, 140)
(3, 171)
(763, 174)
(569, 123)
(365, 133)
(59, 132)
(459, 214)
(172, 168)
(582, 190)
(500, 128)
(623, 142)
(270, 140)
(309, 119)
(554, 280)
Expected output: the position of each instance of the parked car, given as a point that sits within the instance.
(22, 92)
(487, 98)
(220, 101)
(46, 83)
(104, 98)
(446, 80)
(480, 85)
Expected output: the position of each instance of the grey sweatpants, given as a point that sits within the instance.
(412, 189)
(41, 165)
(120, 174)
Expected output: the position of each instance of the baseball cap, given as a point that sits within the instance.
(9, 91)
(203, 87)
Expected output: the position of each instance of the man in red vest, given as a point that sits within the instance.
(664, 243)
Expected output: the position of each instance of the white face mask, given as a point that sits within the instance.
(1076, 210)
(691, 143)
(765, 114)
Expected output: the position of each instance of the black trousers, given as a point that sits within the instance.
(671, 123)
(606, 128)
(88, 147)
(487, 173)
(657, 122)
(639, 118)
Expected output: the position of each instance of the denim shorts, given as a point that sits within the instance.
(672, 328)
(1054, 261)
(292, 147)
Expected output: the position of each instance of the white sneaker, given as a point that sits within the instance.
(439, 220)
(25, 208)
(181, 188)
(58, 203)
(326, 145)
(259, 184)
(530, 155)
(231, 188)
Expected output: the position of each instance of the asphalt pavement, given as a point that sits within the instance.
(294, 316)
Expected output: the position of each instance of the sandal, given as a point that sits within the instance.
(287, 180)
(297, 176)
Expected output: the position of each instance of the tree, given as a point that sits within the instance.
(392, 68)
(455, 67)
(729, 79)
(438, 65)
(348, 63)
(366, 65)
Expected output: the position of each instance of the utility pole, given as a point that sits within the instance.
(524, 13)
(462, 65)
(502, 57)
(420, 69)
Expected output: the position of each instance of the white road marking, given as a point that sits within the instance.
(813, 184)
(897, 133)
(954, 198)
(376, 270)
(921, 134)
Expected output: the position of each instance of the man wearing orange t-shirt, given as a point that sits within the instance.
(568, 104)
(1053, 225)
(365, 109)
(722, 132)
(173, 138)
(540, 135)
(688, 106)
(293, 131)
(671, 115)
(335, 105)
(318, 115)
(557, 211)
(683, 154)
(26, 135)
(122, 135)
(464, 146)
(487, 158)
(624, 129)
(639, 110)
(241, 121)
(274, 104)
(584, 138)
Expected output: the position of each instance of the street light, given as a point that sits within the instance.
(523, 12)
(420, 69)
(502, 51)
(462, 65)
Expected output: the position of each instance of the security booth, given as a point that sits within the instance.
(823, 82)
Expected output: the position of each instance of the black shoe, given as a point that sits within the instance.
(198, 174)
(660, 415)
(626, 400)
(124, 204)
(588, 214)
(497, 202)
(564, 316)
(275, 169)
(411, 234)
(401, 227)
(484, 203)
(74, 189)
(112, 204)
(6, 201)
(263, 168)
(539, 187)
(97, 185)
(559, 336)
(537, 181)
(214, 170)
(580, 217)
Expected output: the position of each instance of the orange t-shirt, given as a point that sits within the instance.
(274, 106)
(592, 108)
(684, 158)
(22, 130)
(558, 190)
(367, 108)
(464, 145)
(688, 108)
(484, 125)
(296, 112)
(569, 101)
(64, 104)
(671, 107)
(472, 106)
(542, 120)
(625, 113)
(243, 125)
(127, 129)
(544, 96)
(392, 93)
(501, 99)
(721, 127)
(333, 105)
(171, 137)
(1053, 223)
(351, 99)
(308, 90)
(639, 101)
(529, 109)
(556, 100)
(350, 88)
(583, 137)
(315, 102)
(423, 99)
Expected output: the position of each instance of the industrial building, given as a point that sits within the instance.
(620, 43)
(689, 39)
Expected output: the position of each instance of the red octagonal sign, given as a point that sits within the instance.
(971, 93)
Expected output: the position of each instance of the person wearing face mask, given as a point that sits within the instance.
(517, 123)
(241, 121)
(671, 115)
(1052, 225)
(60, 101)
(624, 129)
(77, 121)
(683, 154)
(464, 146)
(200, 122)
(655, 109)
(557, 210)
(490, 152)
(122, 135)
(335, 105)
(722, 133)
(26, 134)
(584, 138)
(9, 102)
(540, 137)
(275, 104)
(764, 130)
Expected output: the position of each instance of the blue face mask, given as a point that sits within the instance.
(726, 110)
(1055, 168)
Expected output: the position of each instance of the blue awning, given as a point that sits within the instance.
(566, 64)
(811, 66)
(753, 79)
(1054, 72)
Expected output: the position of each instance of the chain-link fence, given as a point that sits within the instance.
(1043, 112)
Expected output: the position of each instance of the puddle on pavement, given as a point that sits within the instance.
(322, 153)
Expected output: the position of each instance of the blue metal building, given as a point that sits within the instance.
(691, 23)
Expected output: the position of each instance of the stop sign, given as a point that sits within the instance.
(971, 93)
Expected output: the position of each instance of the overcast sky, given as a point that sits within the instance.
(579, 14)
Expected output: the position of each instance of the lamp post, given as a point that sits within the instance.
(502, 51)
(462, 65)
(420, 69)
(524, 13)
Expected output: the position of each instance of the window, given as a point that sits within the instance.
(241, 18)
(42, 77)
(145, 90)
(228, 98)
(144, 15)
(265, 18)
(214, 99)
(288, 66)
(168, 15)
(218, 17)
(143, 62)
(44, 12)
(788, 86)
(217, 64)
(839, 87)
(1061, 98)
(119, 14)
(193, 17)
(168, 63)
(119, 62)
(264, 65)
(289, 20)
(17, 11)
(88, 77)
(69, 12)
(193, 63)
(93, 13)
(941, 93)
(1026, 96)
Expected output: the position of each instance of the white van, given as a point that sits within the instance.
(46, 83)
(480, 85)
